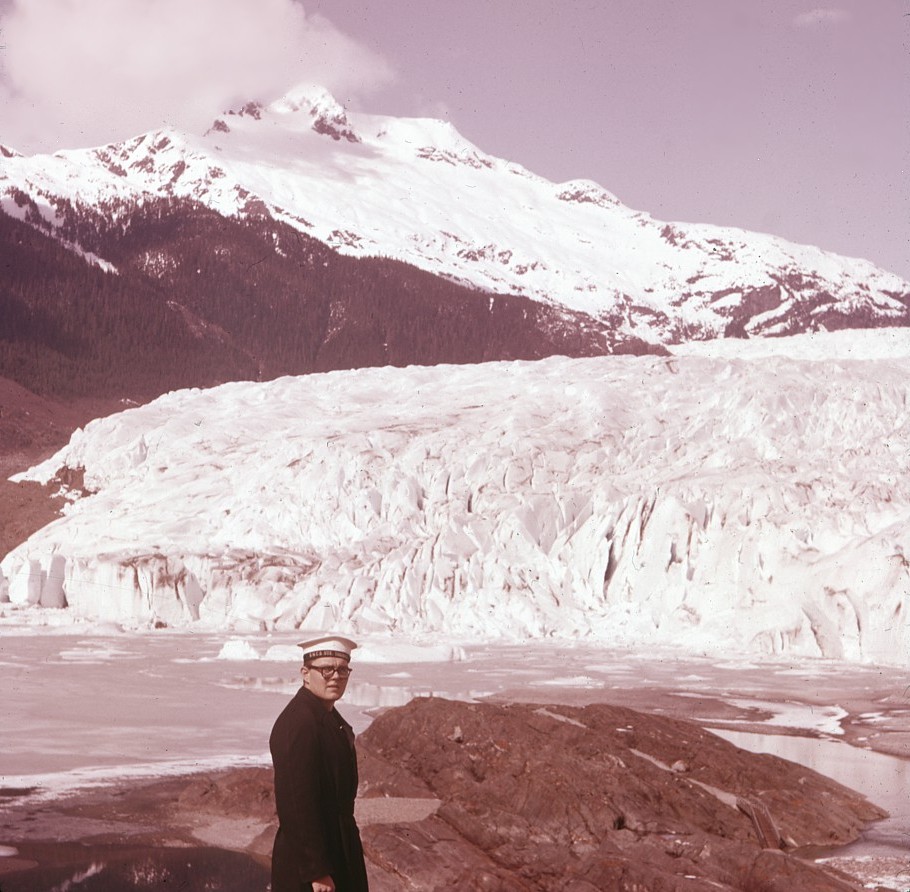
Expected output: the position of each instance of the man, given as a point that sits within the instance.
(318, 844)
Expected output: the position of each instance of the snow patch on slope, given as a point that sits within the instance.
(819, 346)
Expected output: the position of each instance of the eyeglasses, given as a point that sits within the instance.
(328, 671)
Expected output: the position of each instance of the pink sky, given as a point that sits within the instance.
(781, 116)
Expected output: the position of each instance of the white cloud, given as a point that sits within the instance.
(433, 108)
(81, 72)
(821, 15)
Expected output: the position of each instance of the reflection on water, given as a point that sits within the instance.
(366, 694)
(881, 778)
(106, 870)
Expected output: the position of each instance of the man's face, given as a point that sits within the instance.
(326, 689)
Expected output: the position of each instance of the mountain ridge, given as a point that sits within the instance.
(417, 191)
(254, 231)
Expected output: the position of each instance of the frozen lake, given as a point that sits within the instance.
(82, 708)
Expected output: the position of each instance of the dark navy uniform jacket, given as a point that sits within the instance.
(315, 785)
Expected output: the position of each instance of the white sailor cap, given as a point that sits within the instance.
(327, 646)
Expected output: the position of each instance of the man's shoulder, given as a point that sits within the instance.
(302, 707)
(306, 701)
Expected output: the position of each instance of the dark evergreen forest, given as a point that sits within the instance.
(197, 299)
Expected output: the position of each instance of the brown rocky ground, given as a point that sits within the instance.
(492, 797)
(32, 428)
(24, 508)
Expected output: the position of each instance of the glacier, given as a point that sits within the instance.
(755, 503)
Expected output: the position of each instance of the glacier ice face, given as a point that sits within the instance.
(748, 504)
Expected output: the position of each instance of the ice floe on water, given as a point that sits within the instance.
(371, 652)
(238, 649)
(576, 681)
(823, 720)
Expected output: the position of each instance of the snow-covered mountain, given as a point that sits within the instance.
(415, 190)
(758, 504)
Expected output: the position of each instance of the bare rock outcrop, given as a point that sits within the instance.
(600, 797)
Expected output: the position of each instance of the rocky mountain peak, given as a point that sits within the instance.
(586, 192)
(329, 117)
